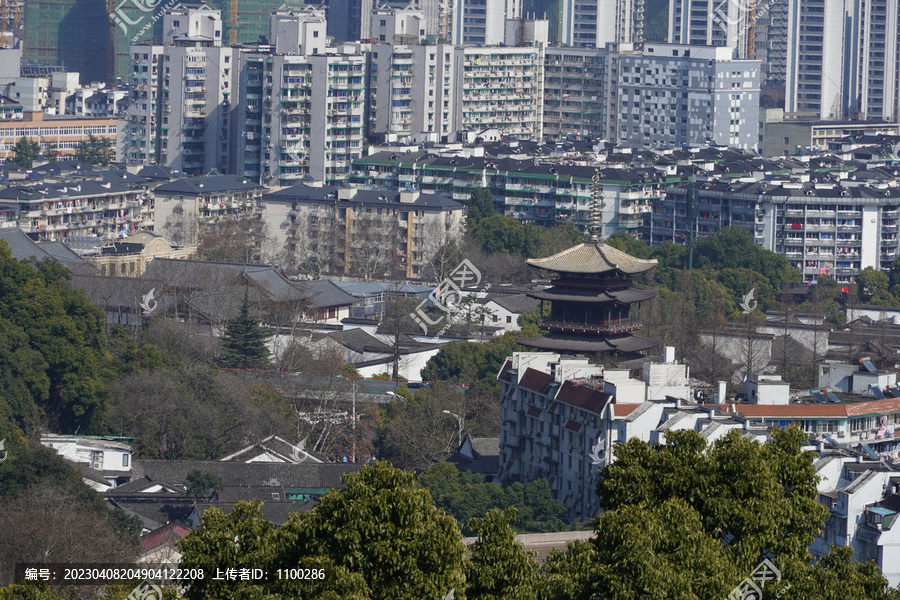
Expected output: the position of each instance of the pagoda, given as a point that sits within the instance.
(593, 307)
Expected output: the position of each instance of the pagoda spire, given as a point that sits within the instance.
(597, 202)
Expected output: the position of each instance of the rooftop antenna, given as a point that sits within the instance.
(596, 206)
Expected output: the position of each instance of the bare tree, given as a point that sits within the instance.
(310, 251)
(242, 240)
(372, 244)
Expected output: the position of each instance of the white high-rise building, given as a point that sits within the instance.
(599, 22)
(483, 22)
(181, 94)
(300, 117)
(842, 59)
(713, 23)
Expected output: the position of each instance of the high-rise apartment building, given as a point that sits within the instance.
(300, 117)
(877, 92)
(577, 84)
(483, 22)
(596, 23)
(438, 93)
(770, 41)
(713, 23)
(842, 59)
(182, 94)
(674, 95)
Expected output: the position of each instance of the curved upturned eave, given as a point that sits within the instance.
(593, 258)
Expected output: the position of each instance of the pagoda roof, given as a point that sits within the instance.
(566, 294)
(562, 342)
(593, 257)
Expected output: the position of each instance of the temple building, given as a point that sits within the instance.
(593, 307)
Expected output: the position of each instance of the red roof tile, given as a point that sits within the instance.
(786, 411)
(582, 396)
(573, 425)
(533, 411)
(537, 381)
(623, 410)
(505, 375)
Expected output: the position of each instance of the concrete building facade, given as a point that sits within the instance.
(674, 95)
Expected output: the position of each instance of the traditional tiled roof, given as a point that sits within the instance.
(515, 303)
(568, 294)
(561, 342)
(593, 258)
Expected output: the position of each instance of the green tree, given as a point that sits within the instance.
(759, 497)
(384, 527)
(25, 152)
(873, 288)
(659, 551)
(566, 575)
(466, 496)
(245, 341)
(96, 150)
(500, 568)
(500, 233)
(480, 205)
(201, 484)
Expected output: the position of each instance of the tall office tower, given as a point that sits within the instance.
(676, 95)
(714, 23)
(877, 92)
(595, 23)
(181, 94)
(770, 41)
(72, 33)
(821, 44)
(483, 22)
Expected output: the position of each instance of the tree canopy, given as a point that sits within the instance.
(244, 343)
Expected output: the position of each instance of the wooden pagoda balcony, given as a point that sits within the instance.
(609, 327)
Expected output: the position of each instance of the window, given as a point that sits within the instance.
(508, 319)
(125, 460)
(175, 23)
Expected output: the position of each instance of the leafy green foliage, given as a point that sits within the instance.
(759, 498)
(480, 205)
(500, 233)
(201, 484)
(471, 362)
(96, 150)
(384, 527)
(873, 288)
(53, 349)
(467, 496)
(499, 569)
(245, 341)
(25, 152)
(565, 575)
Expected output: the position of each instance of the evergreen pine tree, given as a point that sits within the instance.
(245, 341)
